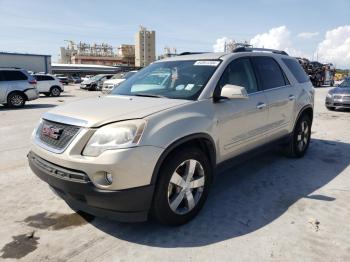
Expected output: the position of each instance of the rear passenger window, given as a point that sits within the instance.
(296, 69)
(38, 78)
(239, 72)
(14, 75)
(47, 78)
(270, 73)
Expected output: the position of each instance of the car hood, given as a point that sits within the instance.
(114, 81)
(87, 82)
(340, 90)
(94, 112)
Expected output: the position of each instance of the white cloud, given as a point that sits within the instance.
(219, 46)
(335, 47)
(307, 35)
(275, 38)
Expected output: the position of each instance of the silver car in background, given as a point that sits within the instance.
(339, 97)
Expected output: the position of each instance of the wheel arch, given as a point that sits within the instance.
(202, 140)
(308, 110)
(19, 92)
(57, 87)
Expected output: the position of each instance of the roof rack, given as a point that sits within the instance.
(254, 49)
(192, 53)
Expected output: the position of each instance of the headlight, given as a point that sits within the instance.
(118, 135)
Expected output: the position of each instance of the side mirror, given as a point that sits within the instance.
(234, 92)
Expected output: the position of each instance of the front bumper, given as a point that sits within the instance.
(343, 101)
(75, 187)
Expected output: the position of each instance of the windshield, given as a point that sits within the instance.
(97, 77)
(118, 76)
(129, 74)
(345, 83)
(171, 79)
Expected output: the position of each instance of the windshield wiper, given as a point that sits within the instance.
(148, 95)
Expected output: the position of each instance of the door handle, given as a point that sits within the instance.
(260, 105)
(291, 97)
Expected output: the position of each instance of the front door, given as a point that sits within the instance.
(241, 122)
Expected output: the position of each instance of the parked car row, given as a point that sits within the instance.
(105, 82)
(18, 86)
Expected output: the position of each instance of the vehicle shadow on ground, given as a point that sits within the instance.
(245, 198)
(62, 95)
(29, 106)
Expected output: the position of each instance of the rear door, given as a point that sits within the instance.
(280, 95)
(40, 83)
(241, 122)
(3, 88)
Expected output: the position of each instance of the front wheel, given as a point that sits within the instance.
(331, 108)
(300, 139)
(182, 188)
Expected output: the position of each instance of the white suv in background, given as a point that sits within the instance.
(152, 146)
(16, 87)
(116, 80)
(49, 85)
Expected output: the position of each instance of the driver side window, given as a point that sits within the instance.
(239, 72)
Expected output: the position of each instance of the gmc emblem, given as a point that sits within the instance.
(51, 132)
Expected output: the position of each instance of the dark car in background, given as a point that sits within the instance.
(339, 97)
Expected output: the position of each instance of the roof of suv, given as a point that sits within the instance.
(225, 55)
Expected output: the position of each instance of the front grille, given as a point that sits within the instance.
(65, 134)
(346, 98)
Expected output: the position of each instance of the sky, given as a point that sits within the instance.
(312, 29)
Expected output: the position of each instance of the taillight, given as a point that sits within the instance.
(32, 82)
(61, 81)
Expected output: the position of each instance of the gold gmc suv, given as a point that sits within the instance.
(151, 147)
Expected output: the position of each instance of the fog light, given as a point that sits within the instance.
(109, 178)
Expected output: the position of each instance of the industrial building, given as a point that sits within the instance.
(84, 69)
(98, 54)
(145, 47)
(30, 62)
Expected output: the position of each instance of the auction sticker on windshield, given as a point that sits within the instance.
(206, 63)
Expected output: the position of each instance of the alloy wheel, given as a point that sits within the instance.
(186, 186)
(303, 136)
(17, 100)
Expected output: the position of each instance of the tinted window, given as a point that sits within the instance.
(239, 72)
(38, 78)
(47, 78)
(270, 73)
(13, 75)
(296, 70)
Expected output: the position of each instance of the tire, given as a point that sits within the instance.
(177, 200)
(16, 100)
(300, 140)
(55, 91)
(46, 94)
(92, 88)
(330, 108)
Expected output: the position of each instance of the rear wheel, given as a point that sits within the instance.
(300, 139)
(55, 91)
(182, 188)
(16, 100)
